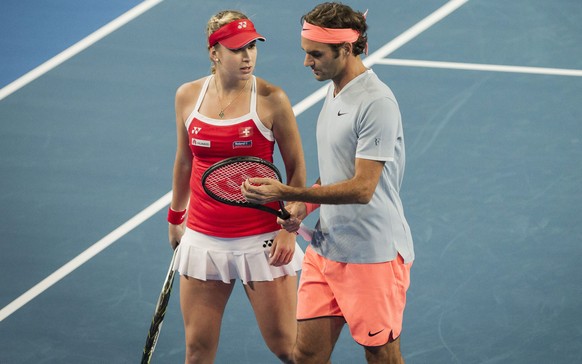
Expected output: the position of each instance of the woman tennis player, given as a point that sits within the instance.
(232, 113)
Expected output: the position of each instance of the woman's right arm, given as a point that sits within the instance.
(182, 163)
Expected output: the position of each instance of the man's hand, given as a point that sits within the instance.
(298, 213)
(262, 190)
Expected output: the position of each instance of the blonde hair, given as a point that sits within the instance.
(218, 20)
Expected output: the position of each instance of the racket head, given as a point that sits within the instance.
(222, 181)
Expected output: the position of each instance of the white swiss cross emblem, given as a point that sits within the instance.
(245, 132)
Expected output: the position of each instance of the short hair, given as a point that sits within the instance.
(336, 15)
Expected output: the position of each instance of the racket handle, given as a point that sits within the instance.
(305, 232)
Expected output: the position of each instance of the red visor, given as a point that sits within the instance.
(235, 35)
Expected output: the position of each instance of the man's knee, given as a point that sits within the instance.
(387, 353)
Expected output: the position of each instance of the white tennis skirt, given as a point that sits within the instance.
(207, 257)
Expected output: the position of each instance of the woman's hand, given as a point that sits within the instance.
(283, 249)
(175, 233)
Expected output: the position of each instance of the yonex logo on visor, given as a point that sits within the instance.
(235, 34)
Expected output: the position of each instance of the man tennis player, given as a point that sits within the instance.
(357, 268)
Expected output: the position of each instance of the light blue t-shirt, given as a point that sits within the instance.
(362, 121)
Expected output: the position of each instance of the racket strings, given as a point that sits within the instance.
(225, 182)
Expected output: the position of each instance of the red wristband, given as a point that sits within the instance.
(310, 207)
(176, 217)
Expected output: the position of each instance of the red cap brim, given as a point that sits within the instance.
(235, 34)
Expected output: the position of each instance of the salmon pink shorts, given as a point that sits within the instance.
(370, 297)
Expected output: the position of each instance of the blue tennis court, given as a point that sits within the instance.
(490, 96)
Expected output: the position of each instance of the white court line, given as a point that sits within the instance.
(78, 47)
(481, 67)
(89, 253)
(131, 223)
(166, 199)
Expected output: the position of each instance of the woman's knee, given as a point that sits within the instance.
(310, 354)
(282, 346)
(200, 351)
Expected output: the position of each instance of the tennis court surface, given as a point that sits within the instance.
(490, 95)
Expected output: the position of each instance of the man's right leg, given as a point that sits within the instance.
(316, 339)
(388, 353)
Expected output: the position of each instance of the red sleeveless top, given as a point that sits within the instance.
(212, 140)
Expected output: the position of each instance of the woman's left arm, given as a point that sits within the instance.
(286, 133)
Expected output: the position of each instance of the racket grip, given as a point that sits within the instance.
(305, 232)
(284, 214)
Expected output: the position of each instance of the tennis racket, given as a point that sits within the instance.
(222, 182)
(159, 314)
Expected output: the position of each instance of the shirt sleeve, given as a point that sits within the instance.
(378, 130)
